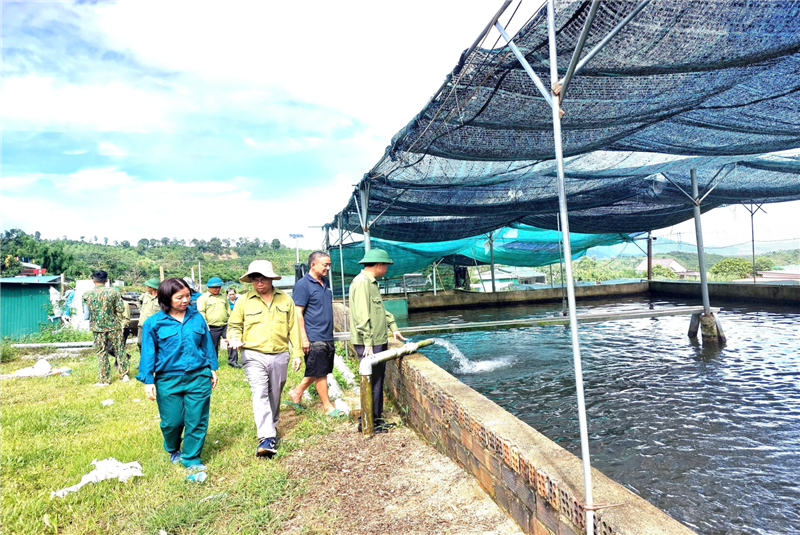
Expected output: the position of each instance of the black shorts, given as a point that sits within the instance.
(319, 361)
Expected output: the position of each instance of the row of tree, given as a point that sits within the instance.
(223, 258)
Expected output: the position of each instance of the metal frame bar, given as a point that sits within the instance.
(576, 55)
(525, 65)
(624, 22)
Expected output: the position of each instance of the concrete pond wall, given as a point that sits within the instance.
(787, 294)
(459, 299)
(538, 483)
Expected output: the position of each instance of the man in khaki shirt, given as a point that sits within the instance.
(370, 325)
(263, 323)
(215, 310)
(149, 305)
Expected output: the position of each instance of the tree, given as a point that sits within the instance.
(105, 241)
(164, 241)
(95, 239)
(82, 237)
(276, 244)
(37, 235)
(125, 243)
(661, 272)
(215, 245)
(153, 242)
(732, 268)
(10, 267)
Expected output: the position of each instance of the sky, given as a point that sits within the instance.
(150, 119)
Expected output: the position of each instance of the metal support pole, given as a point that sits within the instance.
(491, 258)
(573, 320)
(753, 239)
(698, 227)
(433, 272)
(649, 256)
(341, 262)
(364, 195)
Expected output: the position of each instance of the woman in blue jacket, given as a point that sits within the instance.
(178, 368)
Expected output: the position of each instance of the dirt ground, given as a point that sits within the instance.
(391, 483)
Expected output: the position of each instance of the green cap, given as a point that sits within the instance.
(152, 283)
(376, 256)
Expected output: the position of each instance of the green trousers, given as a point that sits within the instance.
(102, 342)
(183, 403)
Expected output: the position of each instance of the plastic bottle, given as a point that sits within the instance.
(197, 477)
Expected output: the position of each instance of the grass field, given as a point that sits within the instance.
(53, 427)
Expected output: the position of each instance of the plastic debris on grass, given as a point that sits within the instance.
(107, 402)
(42, 368)
(106, 469)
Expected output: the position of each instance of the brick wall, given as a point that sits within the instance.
(538, 483)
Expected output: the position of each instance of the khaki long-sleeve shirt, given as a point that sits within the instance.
(214, 308)
(370, 321)
(266, 328)
(149, 307)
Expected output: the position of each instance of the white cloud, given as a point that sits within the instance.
(20, 182)
(91, 180)
(106, 148)
(377, 61)
(42, 103)
(75, 152)
(284, 146)
(93, 197)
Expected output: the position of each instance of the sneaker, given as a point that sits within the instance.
(125, 378)
(175, 456)
(199, 467)
(267, 448)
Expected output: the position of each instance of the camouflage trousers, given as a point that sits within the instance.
(103, 342)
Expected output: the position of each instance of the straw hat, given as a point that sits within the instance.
(264, 267)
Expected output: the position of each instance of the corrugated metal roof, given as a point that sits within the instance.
(41, 279)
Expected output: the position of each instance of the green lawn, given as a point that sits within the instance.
(53, 427)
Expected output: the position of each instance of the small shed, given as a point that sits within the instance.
(23, 303)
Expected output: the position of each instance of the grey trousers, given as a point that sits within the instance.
(266, 374)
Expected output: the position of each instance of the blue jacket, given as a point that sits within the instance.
(170, 347)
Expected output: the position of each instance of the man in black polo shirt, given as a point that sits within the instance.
(313, 300)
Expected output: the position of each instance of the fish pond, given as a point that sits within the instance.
(709, 435)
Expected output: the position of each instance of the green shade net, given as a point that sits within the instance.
(516, 245)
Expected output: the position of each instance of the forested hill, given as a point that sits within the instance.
(135, 263)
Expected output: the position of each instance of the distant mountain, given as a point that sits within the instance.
(665, 245)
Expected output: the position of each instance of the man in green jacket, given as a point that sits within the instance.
(263, 322)
(149, 304)
(215, 310)
(370, 324)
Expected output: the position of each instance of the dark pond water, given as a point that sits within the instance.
(712, 437)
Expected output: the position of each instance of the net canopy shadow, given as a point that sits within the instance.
(711, 86)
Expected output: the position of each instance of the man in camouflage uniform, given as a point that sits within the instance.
(105, 307)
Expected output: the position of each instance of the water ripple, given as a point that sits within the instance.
(712, 436)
